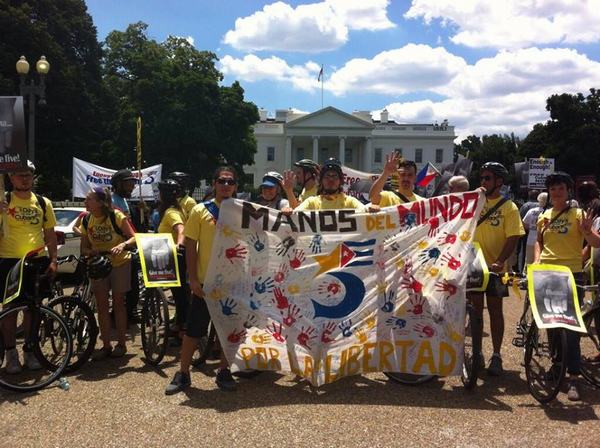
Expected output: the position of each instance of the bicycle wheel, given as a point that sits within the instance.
(50, 345)
(590, 348)
(409, 379)
(472, 349)
(206, 344)
(545, 362)
(82, 323)
(154, 326)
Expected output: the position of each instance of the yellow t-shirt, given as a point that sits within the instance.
(389, 198)
(102, 236)
(25, 226)
(307, 193)
(563, 240)
(187, 203)
(171, 218)
(201, 227)
(493, 232)
(334, 202)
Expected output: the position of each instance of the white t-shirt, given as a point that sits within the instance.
(530, 221)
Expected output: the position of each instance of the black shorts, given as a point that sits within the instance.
(198, 318)
(496, 288)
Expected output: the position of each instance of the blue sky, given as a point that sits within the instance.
(485, 66)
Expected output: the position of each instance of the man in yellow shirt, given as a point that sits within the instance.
(498, 231)
(199, 232)
(186, 202)
(30, 224)
(406, 170)
(306, 172)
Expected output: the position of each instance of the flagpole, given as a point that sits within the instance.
(138, 148)
(321, 76)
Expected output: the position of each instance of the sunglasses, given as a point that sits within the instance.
(226, 181)
(485, 178)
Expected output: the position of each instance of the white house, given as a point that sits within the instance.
(355, 139)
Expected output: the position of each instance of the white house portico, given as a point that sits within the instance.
(355, 139)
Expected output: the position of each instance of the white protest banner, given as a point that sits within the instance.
(328, 294)
(358, 183)
(87, 176)
(538, 170)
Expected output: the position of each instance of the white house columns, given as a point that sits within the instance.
(315, 153)
(342, 155)
(288, 153)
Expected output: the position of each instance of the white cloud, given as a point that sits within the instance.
(310, 28)
(190, 40)
(513, 23)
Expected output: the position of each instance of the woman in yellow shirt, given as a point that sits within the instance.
(561, 231)
(106, 230)
(172, 219)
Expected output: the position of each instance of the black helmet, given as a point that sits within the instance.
(559, 177)
(332, 164)
(181, 177)
(121, 176)
(497, 168)
(99, 267)
(169, 186)
(308, 165)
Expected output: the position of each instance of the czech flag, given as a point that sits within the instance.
(426, 175)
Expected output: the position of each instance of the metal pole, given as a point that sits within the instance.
(31, 139)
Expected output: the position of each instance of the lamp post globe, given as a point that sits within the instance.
(22, 66)
(42, 66)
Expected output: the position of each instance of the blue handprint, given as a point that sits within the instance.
(395, 322)
(228, 306)
(430, 254)
(254, 303)
(261, 286)
(256, 242)
(345, 326)
(388, 302)
(315, 244)
(410, 220)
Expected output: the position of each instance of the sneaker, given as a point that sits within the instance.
(225, 381)
(180, 382)
(495, 367)
(573, 392)
(13, 365)
(31, 361)
(119, 351)
(101, 353)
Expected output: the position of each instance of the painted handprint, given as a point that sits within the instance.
(417, 303)
(447, 238)
(315, 244)
(250, 321)
(326, 332)
(236, 252)
(281, 273)
(298, 259)
(216, 294)
(276, 332)
(412, 283)
(261, 338)
(329, 289)
(406, 217)
(255, 304)
(262, 286)
(228, 306)
(293, 314)
(256, 242)
(285, 245)
(445, 286)
(361, 335)
(452, 262)
(424, 331)
(465, 236)
(230, 233)
(430, 254)
(434, 224)
(346, 327)
(281, 301)
(369, 319)
(388, 301)
(395, 322)
(236, 337)
(305, 336)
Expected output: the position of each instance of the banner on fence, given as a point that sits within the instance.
(328, 294)
(87, 175)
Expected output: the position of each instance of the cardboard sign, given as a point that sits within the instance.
(538, 170)
(13, 149)
(553, 297)
(158, 257)
(478, 275)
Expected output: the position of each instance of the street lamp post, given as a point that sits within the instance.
(31, 91)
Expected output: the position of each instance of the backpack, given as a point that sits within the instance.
(40, 202)
(113, 220)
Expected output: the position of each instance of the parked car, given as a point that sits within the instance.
(68, 241)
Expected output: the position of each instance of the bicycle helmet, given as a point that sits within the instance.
(169, 186)
(182, 178)
(99, 267)
(332, 164)
(496, 168)
(559, 177)
(308, 165)
(121, 176)
(272, 179)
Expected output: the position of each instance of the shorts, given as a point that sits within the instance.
(198, 318)
(118, 281)
(28, 282)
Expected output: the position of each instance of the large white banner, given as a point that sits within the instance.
(86, 176)
(358, 183)
(328, 294)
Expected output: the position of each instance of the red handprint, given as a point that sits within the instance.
(447, 238)
(445, 286)
(417, 306)
(281, 273)
(424, 331)
(407, 270)
(305, 336)
(276, 333)
(452, 263)
(293, 313)
(412, 283)
(330, 289)
(236, 338)
(299, 257)
(238, 251)
(326, 333)
(434, 224)
(281, 301)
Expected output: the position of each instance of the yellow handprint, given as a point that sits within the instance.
(400, 264)
(453, 334)
(294, 288)
(261, 338)
(422, 244)
(361, 335)
(465, 236)
(216, 294)
(433, 271)
(369, 319)
(381, 287)
(230, 233)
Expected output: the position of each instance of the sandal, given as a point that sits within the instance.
(102, 353)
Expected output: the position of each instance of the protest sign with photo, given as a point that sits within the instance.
(14, 281)
(478, 275)
(158, 257)
(333, 293)
(553, 297)
(13, 149)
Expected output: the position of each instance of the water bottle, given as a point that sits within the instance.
(63, 383)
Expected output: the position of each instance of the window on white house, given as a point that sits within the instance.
(270, 154)
(419, 155)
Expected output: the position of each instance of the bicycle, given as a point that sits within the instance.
(590, 341)
(45, 333)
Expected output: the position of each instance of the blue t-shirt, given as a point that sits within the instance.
(120, 203)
